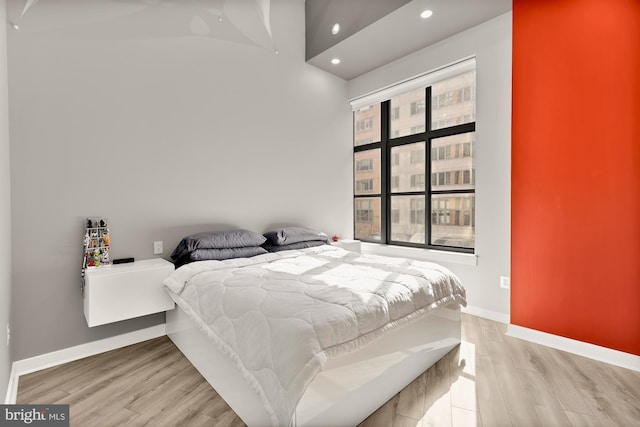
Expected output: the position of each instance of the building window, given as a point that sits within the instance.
(417, 108)
(417, 211)
(412, 142)
(466, 149)
(364, 211)
(364, 186)
(364, 165)
(417, 180)
(395, 182)
(417, 156)
(395, 216)
(395, 159)
(416, 129)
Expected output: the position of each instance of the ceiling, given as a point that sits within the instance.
(392, 29)
(373, 32)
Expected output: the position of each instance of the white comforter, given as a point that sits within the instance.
(279, 316)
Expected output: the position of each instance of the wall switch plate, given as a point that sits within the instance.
(505, 282)
(157, 247)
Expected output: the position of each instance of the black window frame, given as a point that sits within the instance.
(385, 145)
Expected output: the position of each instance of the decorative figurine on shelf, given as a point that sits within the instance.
(103, 223)
(105, 256)
(89, 224)
(107, 240)
(335, 238)
(96, 257)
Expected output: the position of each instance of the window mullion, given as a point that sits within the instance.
(427, 188)
(385, 173)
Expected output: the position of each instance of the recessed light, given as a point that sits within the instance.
(426, 14)
(335, 29)
(335, 61)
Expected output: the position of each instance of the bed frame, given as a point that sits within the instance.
(349, 389)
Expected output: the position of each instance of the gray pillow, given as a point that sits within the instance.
(205, 254)
(220, 254)
(288, 235)
(299, 245)
(238, 238)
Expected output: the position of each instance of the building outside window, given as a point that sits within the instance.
(394, 203)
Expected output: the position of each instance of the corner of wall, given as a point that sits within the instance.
(5, 206)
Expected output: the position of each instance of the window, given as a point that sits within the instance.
(466, 149)
(414, 182)
(364, 165)
(417, 211)
(417, 156)
(367, 218)
(366, 125)
(364, 211)
(416, 107)
(395, 182)
(411, 117)
(364, 186)
(417, 180)
(395, 216)
(367, 172)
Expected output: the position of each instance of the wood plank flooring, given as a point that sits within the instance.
(489, 380)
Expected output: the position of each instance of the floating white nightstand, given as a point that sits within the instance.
(348, 244)
(124, 291)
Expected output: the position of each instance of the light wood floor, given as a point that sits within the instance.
(489, 380)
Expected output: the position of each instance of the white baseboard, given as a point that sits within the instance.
(487, 314)
(12, 387)
(592, 351)
(44, 361)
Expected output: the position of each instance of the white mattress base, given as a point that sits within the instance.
(351, 386)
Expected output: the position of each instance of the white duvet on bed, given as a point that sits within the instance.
(279, 316)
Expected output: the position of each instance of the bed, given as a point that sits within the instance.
(329, 335)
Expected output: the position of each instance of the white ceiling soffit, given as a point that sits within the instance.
(402, 32)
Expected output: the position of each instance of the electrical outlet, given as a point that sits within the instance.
(157, 247)
(8, 334)
(505, 282)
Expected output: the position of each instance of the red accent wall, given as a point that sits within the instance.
(575, 250)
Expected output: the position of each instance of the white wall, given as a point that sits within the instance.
(132, 117)
(490, 42)
(5, 207)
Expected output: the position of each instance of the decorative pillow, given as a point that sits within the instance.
(299, 245)
(288, 235)
(239, 238)
(220, 254)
